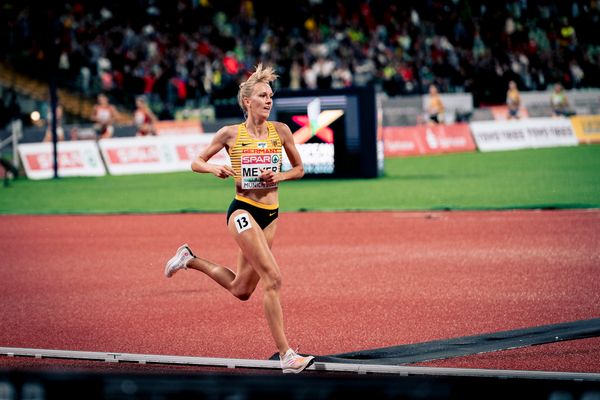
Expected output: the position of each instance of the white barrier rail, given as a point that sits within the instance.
(274, 365)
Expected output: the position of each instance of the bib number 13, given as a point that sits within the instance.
(242, 222)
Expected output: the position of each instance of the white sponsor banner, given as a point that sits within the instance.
(79, 158)
(521, 134)
(142, 155)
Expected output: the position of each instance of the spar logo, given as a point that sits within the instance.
(260, 159)
(44, 161)
(134, 155)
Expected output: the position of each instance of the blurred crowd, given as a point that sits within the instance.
(191, 52)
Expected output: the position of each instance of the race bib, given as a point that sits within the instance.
(254, 162)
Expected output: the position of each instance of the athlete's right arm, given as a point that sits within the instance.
(201, 164)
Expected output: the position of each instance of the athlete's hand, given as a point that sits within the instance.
(269, 176)
(222, 171)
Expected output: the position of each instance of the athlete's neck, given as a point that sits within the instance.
(256, 127)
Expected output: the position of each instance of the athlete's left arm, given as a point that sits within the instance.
(287, 141)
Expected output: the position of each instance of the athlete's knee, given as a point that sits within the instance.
(272, 281)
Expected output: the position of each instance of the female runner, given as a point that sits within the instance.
(435, 107)
(255, 151)
(513, 100)
(143, 118)
(104, 115)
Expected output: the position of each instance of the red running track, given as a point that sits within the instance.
(352, 281)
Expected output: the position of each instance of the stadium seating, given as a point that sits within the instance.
(195, 53)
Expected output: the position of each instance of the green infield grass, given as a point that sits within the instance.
(566, 177)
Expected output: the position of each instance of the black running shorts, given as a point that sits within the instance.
(263, 214)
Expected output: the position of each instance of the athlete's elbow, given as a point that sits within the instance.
(197, 166)
(300, 172)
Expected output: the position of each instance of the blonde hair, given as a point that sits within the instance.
(260, 75)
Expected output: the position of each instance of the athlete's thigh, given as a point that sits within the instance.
(246, 278)
(269, 232)
(252, 242)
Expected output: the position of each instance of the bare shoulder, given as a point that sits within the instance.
(227, 133)
(283, 130)
(280, 126)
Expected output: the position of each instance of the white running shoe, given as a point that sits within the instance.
(178, 261)
(292, 363)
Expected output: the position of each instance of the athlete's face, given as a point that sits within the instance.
(261, 100)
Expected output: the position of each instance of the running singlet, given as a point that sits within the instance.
(249, 157)
(103, 114)
(141, 117)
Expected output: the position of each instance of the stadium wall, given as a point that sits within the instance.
(174, 152)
